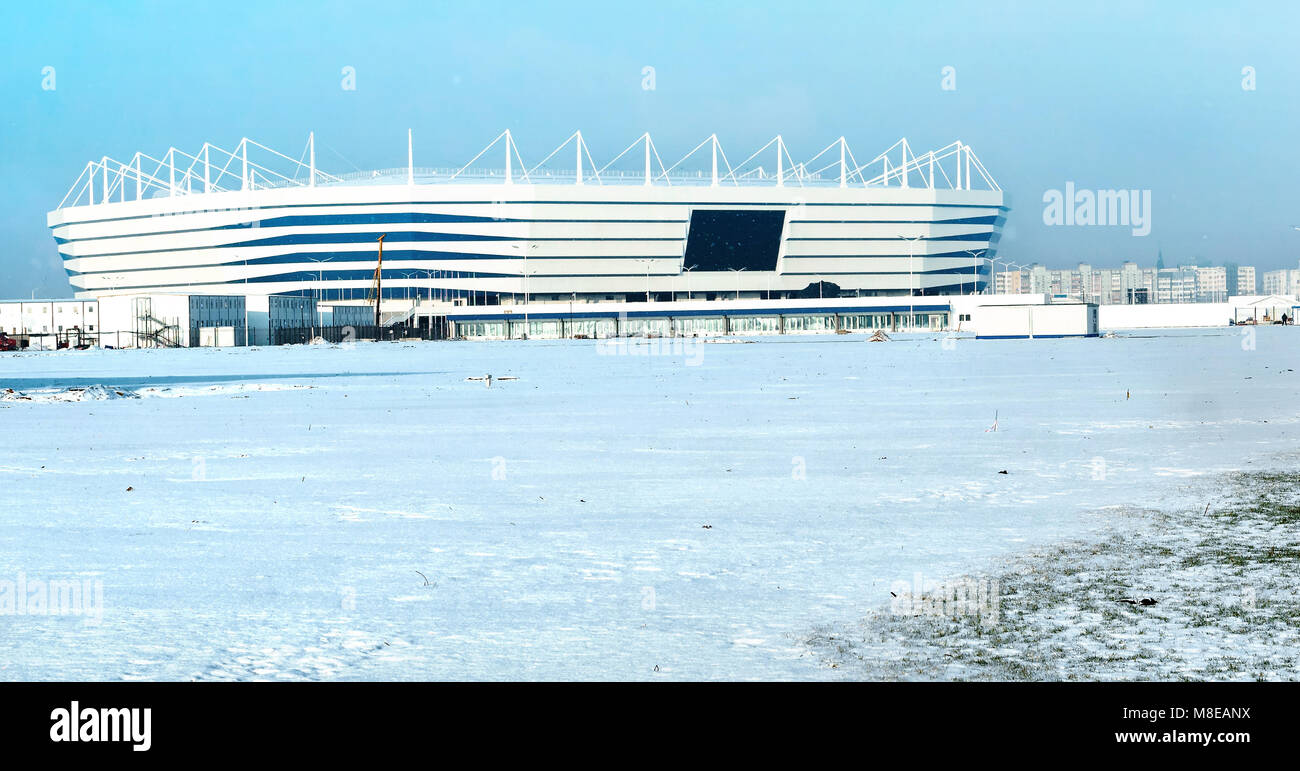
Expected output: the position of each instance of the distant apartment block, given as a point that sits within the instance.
(1284, 281)
(1132, 285)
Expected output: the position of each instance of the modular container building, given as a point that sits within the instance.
(1073, 319)
(346, 315)
(267, 313)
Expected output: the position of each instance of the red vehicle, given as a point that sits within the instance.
(7, 343)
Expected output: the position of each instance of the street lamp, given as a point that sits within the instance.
(320, 275)
(409, 275)
(428, 276)
(993, 274)
(911, 279)
(1018, 268)
(525, 281)
(737, 271)
(648, 298)
(976, 254)
(687, 271)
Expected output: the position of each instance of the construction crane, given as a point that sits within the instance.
(377, 286)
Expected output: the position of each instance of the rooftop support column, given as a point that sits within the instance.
(510, 171)
(577, 146)
(844, 171)
(714, 176)
(780, 162)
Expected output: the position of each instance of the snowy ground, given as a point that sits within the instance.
(709, 511)
(1214, 589)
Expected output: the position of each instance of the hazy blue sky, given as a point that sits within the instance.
(1124, 95)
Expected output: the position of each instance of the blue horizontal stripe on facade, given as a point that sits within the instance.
(787, 311)
(402, 219)
(429, 255)
(997, 207)
(359, 238)
(356, 275)
(325, 259)
(377, 218)
(313, 239)
(416, 236)
(399, 218)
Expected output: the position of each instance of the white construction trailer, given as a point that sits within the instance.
(1056, 319)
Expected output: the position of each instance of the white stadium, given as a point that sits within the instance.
(502, 248)
(255, 221)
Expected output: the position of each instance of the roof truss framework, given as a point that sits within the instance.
(254, 166)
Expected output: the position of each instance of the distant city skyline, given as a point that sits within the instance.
(1171, 120)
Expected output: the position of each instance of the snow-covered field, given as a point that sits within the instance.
(364, 512)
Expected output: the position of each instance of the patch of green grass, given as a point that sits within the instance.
(1057, 607)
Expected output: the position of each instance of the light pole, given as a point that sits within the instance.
(687, 271)
(976, 255)
(409, 275)
(737, 271)
(911, 279)
(320, 275)
(648, 298)
(993, 274)
(1009, 264)
(525, 281)
(428, 276)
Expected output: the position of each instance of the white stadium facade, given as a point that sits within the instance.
(254, 221)
(565, 247)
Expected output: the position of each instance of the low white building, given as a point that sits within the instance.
(1035, 320)
(1264, 309)
(49, 324)
(1238, 309)
(125, 321)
